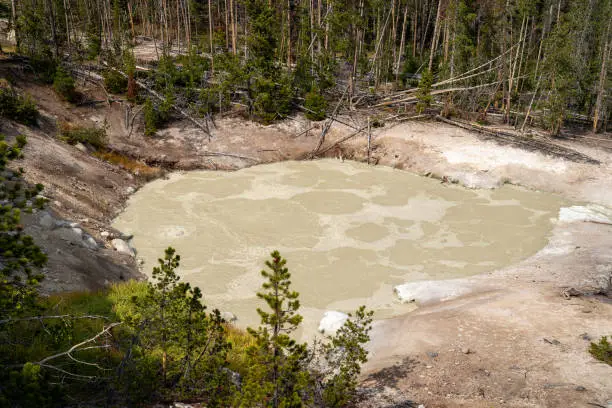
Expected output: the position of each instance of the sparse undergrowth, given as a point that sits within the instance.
(64, 85)
(602, 350)
(17, 107)
(136, 167)
(73, 134)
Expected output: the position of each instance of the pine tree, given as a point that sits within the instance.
(171, 322)
(277, 375)
(424, 92)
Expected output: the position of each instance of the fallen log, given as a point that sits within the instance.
(233, 155)
(328, 125)
(534, 144)
(163, 99)
(341, 140)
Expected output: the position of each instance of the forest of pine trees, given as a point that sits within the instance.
(519, 57)
(544, 58)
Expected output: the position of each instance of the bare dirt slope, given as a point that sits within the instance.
(515, 339)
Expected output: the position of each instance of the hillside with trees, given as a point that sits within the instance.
(540, 62)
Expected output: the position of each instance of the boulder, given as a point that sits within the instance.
(122, 247)
(46, 220)
(72, 235)
(89, 242)
(332, 321)
(81, 147)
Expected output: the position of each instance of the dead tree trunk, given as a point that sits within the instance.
(434, 40)
(402, 44)
(602, 80)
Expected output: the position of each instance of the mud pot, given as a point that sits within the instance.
(350, 232)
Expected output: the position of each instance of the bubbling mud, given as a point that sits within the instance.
(350, 232)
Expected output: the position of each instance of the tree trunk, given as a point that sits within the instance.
(14, 16)
(227, 33)
(414, 34)
(402, 43)
(434, 41)
(67, 23)
(53, 30)
(210, 35)
(288, 34)
(129, 5)
(602, 80)
(233, 25)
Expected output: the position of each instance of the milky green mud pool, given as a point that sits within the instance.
(350, 232)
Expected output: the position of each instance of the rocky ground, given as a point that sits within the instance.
(511, 339)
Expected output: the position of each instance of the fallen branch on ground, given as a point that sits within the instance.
(163, 99)
(328, 125)
(545, 147)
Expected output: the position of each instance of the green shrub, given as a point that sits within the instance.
(123, 295)
(16, 107)
(271, 100)
(315, 105)
(156, 115)
(114, 81)
(424, 92)
(63, 84)
(602, 350)
(44, 67)
(93, 136)
(94, 43)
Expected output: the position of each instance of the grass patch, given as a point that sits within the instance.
(93, 136)
(240, 340)
(602, 350)
(136, 167)
(121, 295)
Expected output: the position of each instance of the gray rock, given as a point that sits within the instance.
(81, 147)
(90, 243)
(122, 247)
(72, 235)
(105, 234)
(74, 224)
(130, 190)
(46, 221)
(466, 350)
(61, 224)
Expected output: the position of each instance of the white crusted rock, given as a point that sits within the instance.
(122, 247)
(431, 291)
(332, 321)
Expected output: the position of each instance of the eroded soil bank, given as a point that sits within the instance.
(512, 340)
